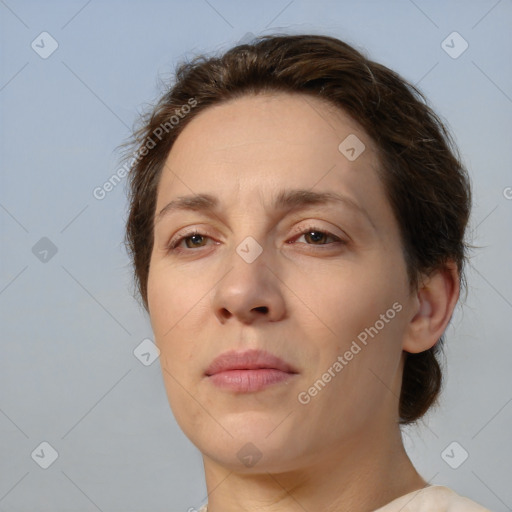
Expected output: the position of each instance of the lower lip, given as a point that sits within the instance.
(247, 381)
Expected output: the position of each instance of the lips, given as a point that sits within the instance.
(248, 360)
(248, 371)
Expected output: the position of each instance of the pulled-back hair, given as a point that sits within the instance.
(425, 182)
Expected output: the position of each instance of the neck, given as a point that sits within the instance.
(362, 474)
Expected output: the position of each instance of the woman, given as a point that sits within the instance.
(297, 222)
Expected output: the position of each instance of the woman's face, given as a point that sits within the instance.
(303, 295)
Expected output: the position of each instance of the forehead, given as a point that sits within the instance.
(243, 125)
(251, 146)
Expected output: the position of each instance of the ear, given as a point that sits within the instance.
(434, 303)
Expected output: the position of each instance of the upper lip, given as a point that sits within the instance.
(248, 360)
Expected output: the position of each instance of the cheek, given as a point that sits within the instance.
(346, 301)
(171, 299)
(171, 312)
(361, 313)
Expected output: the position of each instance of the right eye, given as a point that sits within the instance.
(193, 239)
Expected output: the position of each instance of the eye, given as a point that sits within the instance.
(196, 240)
(318, 236)
(192, 240)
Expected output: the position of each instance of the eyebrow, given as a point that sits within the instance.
(286, 201)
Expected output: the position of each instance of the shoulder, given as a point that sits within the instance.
(434, 498)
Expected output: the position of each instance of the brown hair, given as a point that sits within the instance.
(425, 182)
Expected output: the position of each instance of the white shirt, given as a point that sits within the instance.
(433, 498)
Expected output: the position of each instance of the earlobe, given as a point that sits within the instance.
(435, 301)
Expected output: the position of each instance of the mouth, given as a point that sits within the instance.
(248, 371)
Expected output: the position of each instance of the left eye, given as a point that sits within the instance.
(318, 236)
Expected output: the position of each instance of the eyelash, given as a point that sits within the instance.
(173, 244)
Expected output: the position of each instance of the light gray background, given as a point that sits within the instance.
(69, 326)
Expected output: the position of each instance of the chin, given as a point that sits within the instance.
(259, 457)
(246, 442)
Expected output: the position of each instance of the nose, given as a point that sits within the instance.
(249, 292)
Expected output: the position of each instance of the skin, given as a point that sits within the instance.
(303, 299)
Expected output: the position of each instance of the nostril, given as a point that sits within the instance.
(226, 313)
(263, 309)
